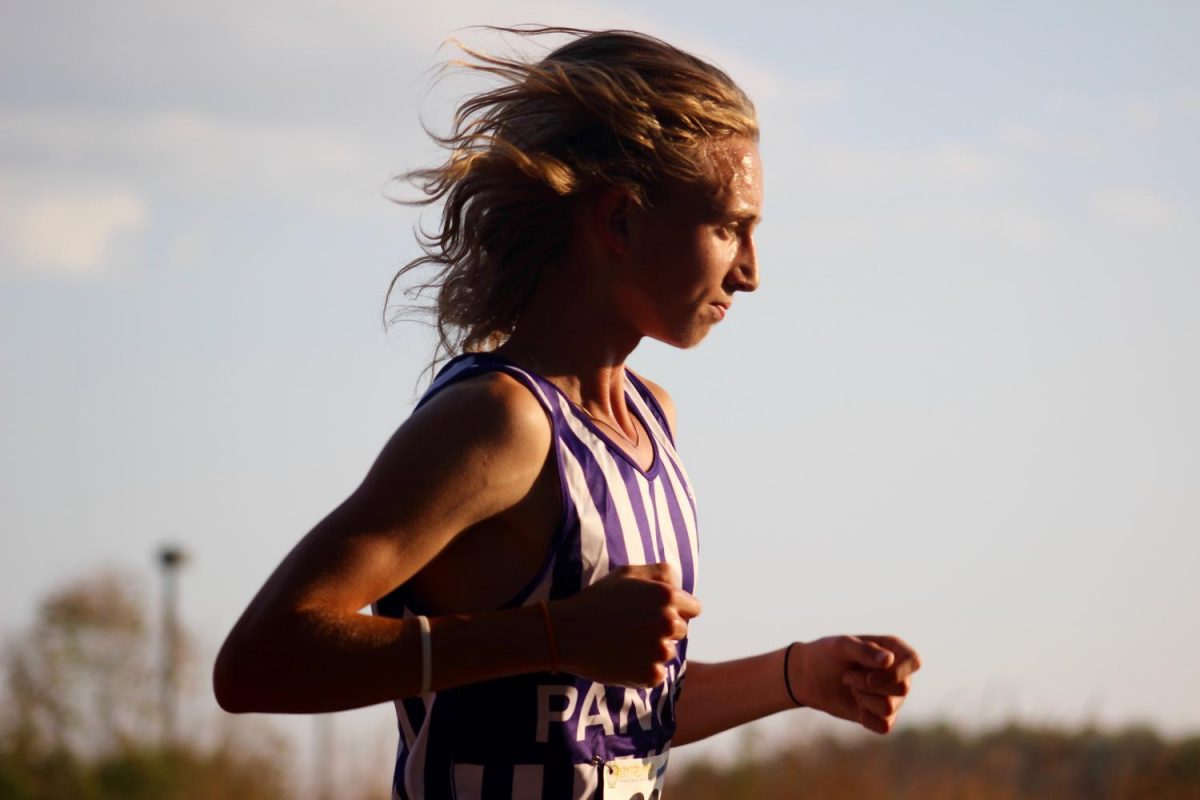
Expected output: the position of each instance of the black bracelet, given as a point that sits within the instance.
(787, 681)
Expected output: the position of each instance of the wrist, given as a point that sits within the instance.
(551, 639)
(558, 620)
(793, 660)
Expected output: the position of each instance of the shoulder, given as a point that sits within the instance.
(492, 407)
(662, 396)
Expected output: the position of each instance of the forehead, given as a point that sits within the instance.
(734, 184)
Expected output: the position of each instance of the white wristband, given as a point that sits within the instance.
(426, 655)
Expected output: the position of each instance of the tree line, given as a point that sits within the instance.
(81, 717)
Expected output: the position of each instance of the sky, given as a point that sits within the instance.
(961, 408)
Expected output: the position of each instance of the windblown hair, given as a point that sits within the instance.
(609, 109)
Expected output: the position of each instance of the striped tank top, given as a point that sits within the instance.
(543, 736)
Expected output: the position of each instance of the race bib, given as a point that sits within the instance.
(633, 777)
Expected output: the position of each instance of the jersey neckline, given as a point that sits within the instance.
(656, 461)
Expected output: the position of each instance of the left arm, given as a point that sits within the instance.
(859, 678)
(722, 695)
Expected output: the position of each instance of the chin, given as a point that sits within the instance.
(684, 340)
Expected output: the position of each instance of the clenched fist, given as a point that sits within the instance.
(622, 629)
(860, 678)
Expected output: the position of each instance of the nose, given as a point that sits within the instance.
(744, 275)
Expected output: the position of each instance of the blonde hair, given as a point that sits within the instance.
(609, 109)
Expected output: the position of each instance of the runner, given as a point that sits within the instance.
(528, 539)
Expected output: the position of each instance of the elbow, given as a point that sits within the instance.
(232, 684)
(225, 685)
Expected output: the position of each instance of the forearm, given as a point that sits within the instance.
(723, 695)
(318, 662)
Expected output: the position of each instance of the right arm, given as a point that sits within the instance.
(471, 452)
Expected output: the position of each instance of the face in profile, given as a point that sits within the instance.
(694, 250)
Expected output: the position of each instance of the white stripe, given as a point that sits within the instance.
(406, 730)
(405, 725)
(537, 389)
(587, 780)
(414, 768)
(527, 782)
(593, 550)
(651, 418)
(468, 781)
(618, 492)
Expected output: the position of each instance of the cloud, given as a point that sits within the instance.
(73, 232)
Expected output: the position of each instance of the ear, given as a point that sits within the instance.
(610, 219)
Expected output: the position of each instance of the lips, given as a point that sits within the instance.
(722, 309)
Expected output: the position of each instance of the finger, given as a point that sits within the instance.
(875, 723)
(686, 604)
(902, 649)
(855, 678)
(885, 685)
(679, 629)
(866, 653)
(663, 571)
(880, 705)
(876, 681)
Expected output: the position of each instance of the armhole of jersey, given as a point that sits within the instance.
(562, 528)
(394, 603)
(652, 401)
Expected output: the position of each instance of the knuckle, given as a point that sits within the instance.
(659, 593)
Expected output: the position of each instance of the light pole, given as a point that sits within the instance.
(170, 559)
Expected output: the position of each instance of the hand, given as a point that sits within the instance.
(622, 629)
(860, 678)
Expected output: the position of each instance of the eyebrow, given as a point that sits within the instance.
(750, 218)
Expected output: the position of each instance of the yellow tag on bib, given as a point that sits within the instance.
(634, 777)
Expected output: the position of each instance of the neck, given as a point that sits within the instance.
(572, 333)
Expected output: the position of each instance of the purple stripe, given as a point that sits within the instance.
(598, 489)
(633, 482)
(682, 540)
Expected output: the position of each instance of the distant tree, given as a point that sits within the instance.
(80, 718)
(936, 762)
